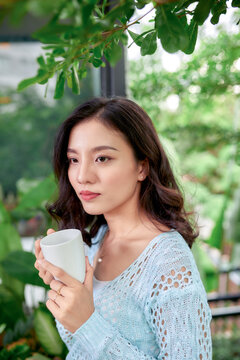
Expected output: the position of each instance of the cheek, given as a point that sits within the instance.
(121, 176)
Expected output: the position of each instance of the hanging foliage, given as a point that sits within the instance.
(82, 32)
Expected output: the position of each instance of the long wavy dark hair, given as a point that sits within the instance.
(160, 195)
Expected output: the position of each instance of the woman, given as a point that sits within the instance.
(142, 297)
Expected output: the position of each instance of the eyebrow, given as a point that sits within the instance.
(97, 148)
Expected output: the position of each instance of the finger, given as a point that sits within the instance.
(88, 282)
(38, 251)
(41, 273)
(50, 231)
(54, 296)
(37, 247)
(36, 265)
(59, 274)
(53, 307)
(48, 278)
(59, 287)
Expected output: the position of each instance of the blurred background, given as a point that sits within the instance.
(194, 102)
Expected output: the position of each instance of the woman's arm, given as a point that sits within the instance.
(181, 325)
(98, 339)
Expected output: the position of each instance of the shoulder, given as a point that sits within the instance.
(172, 265)
(169, 245)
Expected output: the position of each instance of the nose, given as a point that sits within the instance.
(85, 173)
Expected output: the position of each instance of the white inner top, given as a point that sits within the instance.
(98, 284)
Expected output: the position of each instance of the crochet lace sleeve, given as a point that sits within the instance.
(177, 309)
(98, 339)
(182, 326)
(65, 335)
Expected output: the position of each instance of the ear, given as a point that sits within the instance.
(143, 169)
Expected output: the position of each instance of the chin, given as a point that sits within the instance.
(93, 211)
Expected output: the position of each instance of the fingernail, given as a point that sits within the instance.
(40, 262)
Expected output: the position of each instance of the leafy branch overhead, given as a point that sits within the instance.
(83, 32)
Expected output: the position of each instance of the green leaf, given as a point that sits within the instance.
(86, 12)
(113, 53)
(18, 352)
(47, 333)
(216, 237)
(75, 80)
(59, 90)
(96, 62)
(97, 51)
(192, 30)
(20, 265)
(41, 78)
(58, 51)
(124, 38)
(38, 356)
(41, 61)
(141, 3)
(51, 33)
(170, 30)
(207, 270)
(4, 215)
(69, 80)
(183, 4)
(237, 155)
(149, 44)
(11, 307)
(136, 37)
(28, 82)
(235, 3)
(218, 9)
(21, 329)
(130, 9)
(18, 12)
(2, 328)
(35, 199)
(202, 11)
(10, 241)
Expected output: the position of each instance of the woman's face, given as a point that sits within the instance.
(102, 169)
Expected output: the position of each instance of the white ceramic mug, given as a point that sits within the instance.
(65, 249)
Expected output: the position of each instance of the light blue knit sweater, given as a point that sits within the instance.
(156, 309)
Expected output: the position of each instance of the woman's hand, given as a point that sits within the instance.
(45, 275)
(70, 301)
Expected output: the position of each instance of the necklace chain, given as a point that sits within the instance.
(100, 258)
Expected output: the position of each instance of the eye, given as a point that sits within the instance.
(72, 161)
(102, 159)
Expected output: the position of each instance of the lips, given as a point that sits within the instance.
(88, 195)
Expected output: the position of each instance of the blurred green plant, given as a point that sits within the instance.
(226, 347)
(26, 333)
(233, 219)
(11, 290)
(203, 123)
(206, 89)
(83, 32)
(28, 124)
(208, 272)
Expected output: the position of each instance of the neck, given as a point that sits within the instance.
(132, 222)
